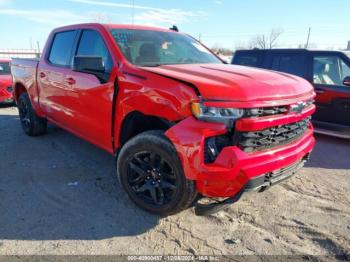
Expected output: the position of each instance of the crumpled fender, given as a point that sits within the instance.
(188, 137)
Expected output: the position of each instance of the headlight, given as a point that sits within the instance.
(216, 114)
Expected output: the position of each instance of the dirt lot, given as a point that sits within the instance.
(59, 195)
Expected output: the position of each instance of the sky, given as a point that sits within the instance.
(225, 23)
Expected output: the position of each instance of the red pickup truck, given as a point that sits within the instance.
(5, 82)
(178, 120)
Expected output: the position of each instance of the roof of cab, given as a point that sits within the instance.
(137, 27)
(113, 26)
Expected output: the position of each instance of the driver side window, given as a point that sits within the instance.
(330, 70)
(92, 44)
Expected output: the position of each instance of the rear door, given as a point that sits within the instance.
(333, 97)
(52, 77)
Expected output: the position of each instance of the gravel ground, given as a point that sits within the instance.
(59, 195)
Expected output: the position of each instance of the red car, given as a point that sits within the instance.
(178, 120)
(5, 82)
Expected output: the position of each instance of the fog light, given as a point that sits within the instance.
(213, 147)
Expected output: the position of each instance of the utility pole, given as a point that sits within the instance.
(200, 37)
(133, 11)
(308, 38)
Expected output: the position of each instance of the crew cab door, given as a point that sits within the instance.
(93, 96)
(79, 102)
(333, 96)
(55, 93)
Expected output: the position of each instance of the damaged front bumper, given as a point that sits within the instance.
(234, 171)
(257, 184)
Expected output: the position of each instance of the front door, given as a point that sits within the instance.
(92, 97)
(333, 96)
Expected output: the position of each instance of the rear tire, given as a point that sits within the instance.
(151, 173)
(32, 124)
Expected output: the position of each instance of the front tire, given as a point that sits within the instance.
(151, 173)
(32, 124)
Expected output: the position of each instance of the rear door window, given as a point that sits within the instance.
(294, 64)
(253, 60)
(61, 48)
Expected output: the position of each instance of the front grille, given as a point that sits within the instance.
(266, 111)
(274, 110)
(271, 137)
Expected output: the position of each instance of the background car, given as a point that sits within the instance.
(328, 71)
(5, 82)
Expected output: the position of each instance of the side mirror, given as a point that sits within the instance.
(89, 64)
(346, 81)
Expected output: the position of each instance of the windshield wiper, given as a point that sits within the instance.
(151, 65)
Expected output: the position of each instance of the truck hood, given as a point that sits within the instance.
(236, 83)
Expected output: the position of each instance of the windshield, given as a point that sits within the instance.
(5, 68)
(154, 48)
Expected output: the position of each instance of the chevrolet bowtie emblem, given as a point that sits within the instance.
(297, 108)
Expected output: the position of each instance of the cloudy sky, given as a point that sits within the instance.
(229, 23)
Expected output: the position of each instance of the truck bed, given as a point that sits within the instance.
(24, 62)
(24, 72)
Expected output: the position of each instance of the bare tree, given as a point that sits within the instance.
(239, 45)
(218, 49)
(267, 41)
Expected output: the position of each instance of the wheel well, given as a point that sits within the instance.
(19, 89)
(136, 123)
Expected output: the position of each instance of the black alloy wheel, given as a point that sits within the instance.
(152, 178)
(150, 171)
